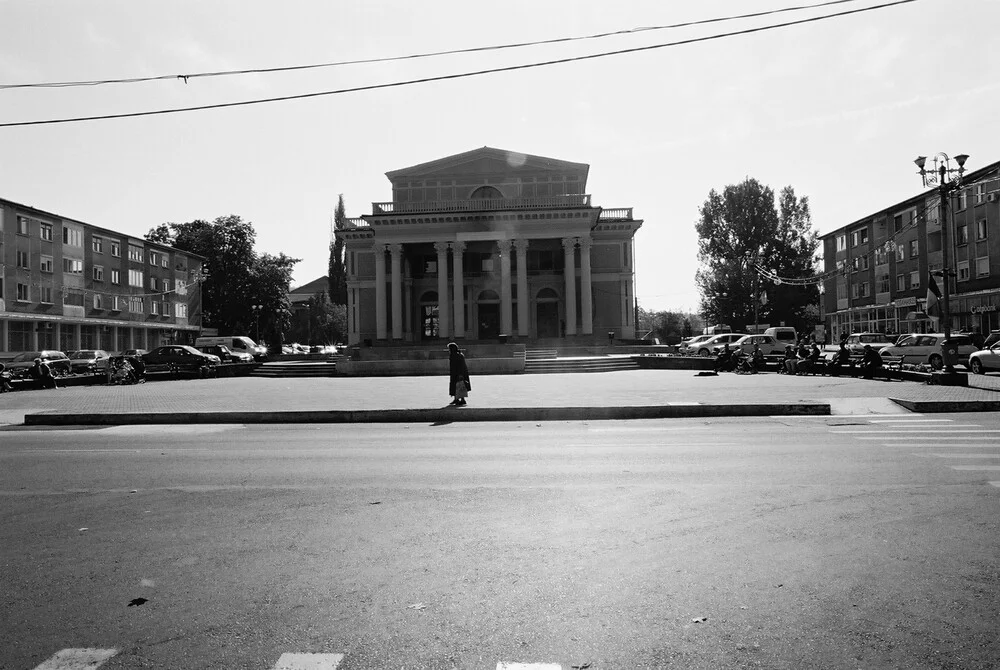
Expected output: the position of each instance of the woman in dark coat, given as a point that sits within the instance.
(458, 371)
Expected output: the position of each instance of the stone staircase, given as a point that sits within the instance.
(326, 368)
(545, 361)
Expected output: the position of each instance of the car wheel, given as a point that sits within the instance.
(977, 366)
(703, 352)
(936, 361)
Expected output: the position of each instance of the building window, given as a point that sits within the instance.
(900, 254)
(915, 279)
(859, 236)
(881, 257)
(135, 253)
(963, 270)
(45, 294)
(45, 231)
(180, 287)
(983, 266)
(98, 301)
(180, 310)
(154, 258)
(154, 308)
(914, 248)
(22, 293)
(883, 284)
(981, 229)
(135, 279)
(98, 273)
(152, 283)
(841, 291)
(116, 249)
(22, 259)
(900, 282)
(116, 303)
(116, 277)
(962, 234)
(980, 193)
(97, 243)
(135, 305)
(865, 289)
(165, 285)
(22, 225)
(963, 199)
(841, 242)
(897, 223)
(163, 261)
(72, 266)
(854, 290)
(45, 264)
(72, 236)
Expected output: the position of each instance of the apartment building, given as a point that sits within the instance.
(880, 264)
(68, 285)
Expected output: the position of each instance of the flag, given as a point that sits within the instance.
(933, 295)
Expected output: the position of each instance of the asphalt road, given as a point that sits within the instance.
(825, 542)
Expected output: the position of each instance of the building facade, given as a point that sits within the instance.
(490, 244)
(69, 285)
(881, 264)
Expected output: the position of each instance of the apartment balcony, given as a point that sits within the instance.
(481, 205)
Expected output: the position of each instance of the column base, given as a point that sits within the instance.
(943, 378)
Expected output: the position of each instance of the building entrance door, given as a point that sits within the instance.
(489, 321)
(547, 319)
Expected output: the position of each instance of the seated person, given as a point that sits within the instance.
(5, 378)
(724, 362)
(839, 359)
(789, 364)
(871, 362)
(42, 374)
(757, 358)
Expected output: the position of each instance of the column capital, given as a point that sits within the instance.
(395, 249)
(569, 243)
(441, 247)
(458, 247)
(585, 243)
(378, 246)
(521, 245)
(504, 246)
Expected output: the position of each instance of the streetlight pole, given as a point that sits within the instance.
(947, 184)
(256, 313)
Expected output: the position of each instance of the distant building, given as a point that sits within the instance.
(490, 243)
(69, 285)
(882, 262)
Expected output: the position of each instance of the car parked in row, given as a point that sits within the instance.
(856, 342)
(181, 357)
(89, 361)
(21, 364)
(226, 355)
(769, 346)
(986, 359)
(689, 346)
(926, 348)
(707, 348)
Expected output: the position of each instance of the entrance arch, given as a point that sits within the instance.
(547, 313)
(488, 308)
(429, 316)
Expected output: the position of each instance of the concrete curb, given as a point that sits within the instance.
(438, 415)
(942, 406)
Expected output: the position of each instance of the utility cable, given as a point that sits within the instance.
(446, 77)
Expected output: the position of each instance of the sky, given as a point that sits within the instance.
(837, 109)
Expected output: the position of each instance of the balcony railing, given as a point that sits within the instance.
(481, 204)
(618, 214)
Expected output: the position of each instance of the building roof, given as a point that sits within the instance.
(309, 289)
(490, 160)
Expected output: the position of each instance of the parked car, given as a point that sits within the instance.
(89, 361)
(226, 355)
(689, 346)
(926, 348)
(24, 361)
(985, 360)
(180, 356)
(134, 352)
(856, 342)
(768, 345)
(707, 348)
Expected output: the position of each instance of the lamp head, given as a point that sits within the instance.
(960, 159)
(920, 160)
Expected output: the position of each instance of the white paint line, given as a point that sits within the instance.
(642, 429)
(77, 659)
(916, 431)
(838, 416)
(911, 420)
(975, 467)
(996, 484)
(673, 445)
(308, 662)
(961, 455)
(931, 440)
(529, 666)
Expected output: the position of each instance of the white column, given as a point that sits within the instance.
(506, 322)
(443, 321)
(586, 290)
(569, 273)
(380, 326)
(77, 336)
(523, 299)
(396, 253)
(457, 249)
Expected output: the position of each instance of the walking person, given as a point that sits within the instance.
(458, 376)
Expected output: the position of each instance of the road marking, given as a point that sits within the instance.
(308, 662)
(975, 467)
(911, 420)
(841, 416)
(529, 666)
(961, 455)
(923, 431)
(605, 445)
(640, 429)
(77, 659)
(931, 441)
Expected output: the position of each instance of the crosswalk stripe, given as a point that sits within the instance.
(975, 467)
(916, 431)
(308, 662)
(77, 659)
(961, 455)
(529, 666)
(930, 441)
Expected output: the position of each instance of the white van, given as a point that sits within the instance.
(784, 334)
(238, 343)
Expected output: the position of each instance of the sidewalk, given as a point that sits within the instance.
(578, 396)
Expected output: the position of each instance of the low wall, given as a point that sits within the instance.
(413, 367)
(675, 362)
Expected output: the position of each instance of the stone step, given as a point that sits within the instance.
(296, 369)
(539, 354)
(580, 365)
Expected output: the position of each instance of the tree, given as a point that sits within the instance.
(740, 230)
(270, 281)
(667, 326)
(337, 273)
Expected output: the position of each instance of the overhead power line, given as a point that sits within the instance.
(388, 59)
(460, 75)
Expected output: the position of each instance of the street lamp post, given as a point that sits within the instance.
(256, 317)
(948, 180)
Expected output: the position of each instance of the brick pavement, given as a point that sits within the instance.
(608, 389)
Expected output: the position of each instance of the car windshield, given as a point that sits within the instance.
(27, 356)
(85, 353)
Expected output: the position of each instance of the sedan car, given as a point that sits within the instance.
(689, 346)
(856, 342)
(926, 348)
(227, 355)
(707, 348)
(180, 357)
(23, 362)
(985, 360)
(769, 346)
(89, 361)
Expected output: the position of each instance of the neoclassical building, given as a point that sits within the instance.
(486, 244)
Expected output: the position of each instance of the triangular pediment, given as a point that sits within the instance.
(489, 162)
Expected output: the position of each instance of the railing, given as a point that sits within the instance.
(619, 214)
(481, 204)
(356, 223)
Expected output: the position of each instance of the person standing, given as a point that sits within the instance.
(458, 376)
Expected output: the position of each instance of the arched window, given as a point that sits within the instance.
(488, 296)
(546, 295)
(485, 192)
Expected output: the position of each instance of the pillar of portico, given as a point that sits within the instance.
(586, 290)
(523, 301)
(395, 260)
(380, 325)
(506, 320)
(457, 249)
(442, 270)
(569, 273)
